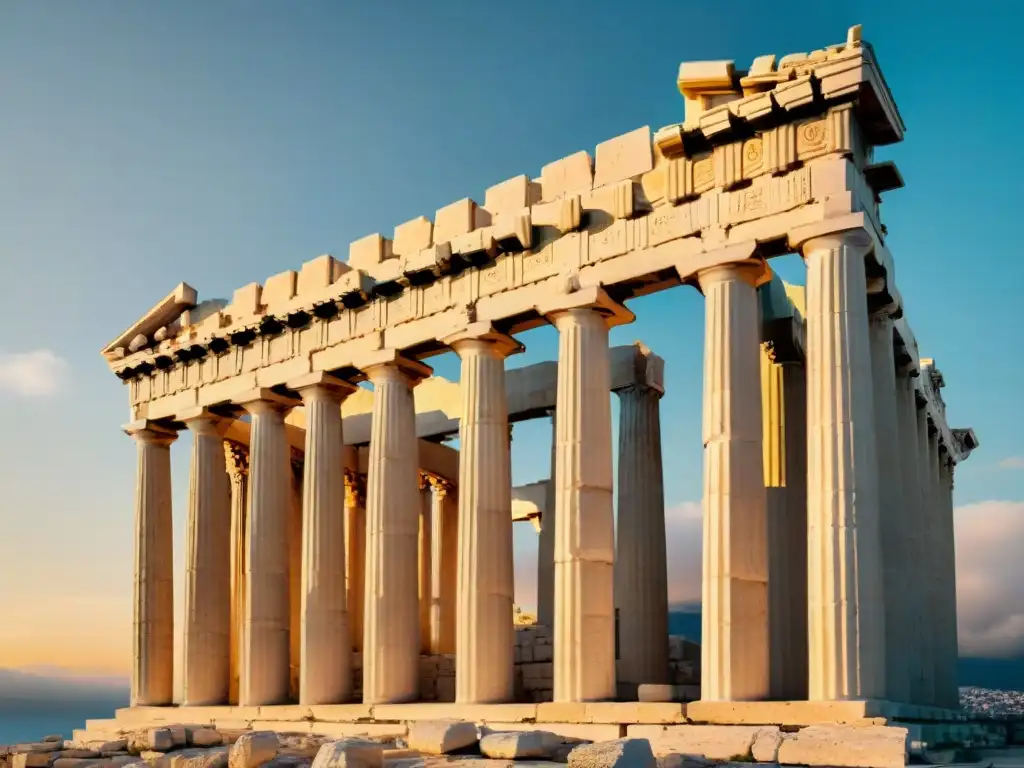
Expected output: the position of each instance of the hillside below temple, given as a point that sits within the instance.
(828, 581)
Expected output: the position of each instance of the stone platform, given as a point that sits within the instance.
(861, 734)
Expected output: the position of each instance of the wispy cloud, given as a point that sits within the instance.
(38, 373)
(990, 578)
(1014, 462)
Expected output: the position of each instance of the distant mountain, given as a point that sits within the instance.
(998, 674)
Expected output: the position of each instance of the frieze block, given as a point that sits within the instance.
(766, 196)
(667, 224)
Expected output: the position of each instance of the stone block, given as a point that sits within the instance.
(350, 730)
(717, 742)
(75, 762)
(253, 749)
(341, 713)
(621, 753)
(53, 737)
(570, 175)
(656, 692)
(454, 220)
(245, 301)
(206, 737)
(413, 237)
(316, 275)
(873, 746)
(765, 748)
(623, 157)
(511, 196)
(31, 759)
(542, 652)
(439, 737)
(573, 731)
(350, 753)
(520, 745)
(369, 251)
(116, 745)
(159, 739)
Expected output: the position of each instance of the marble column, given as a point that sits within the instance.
(784, 418)
(894, 533)
(426, 561)
(734, 648)
(546, 544)
(915, 563)
(927, 646)
(486, 582)
(152, 681)
(941, 673)
(295, 575)
(325, 672)
(444, 567)
(207, 630)
(584, 609)
(948, 685)
(391, 626)
(846, 617)
(265, 673)
(355, 554)
(236, 458)
(641, 576)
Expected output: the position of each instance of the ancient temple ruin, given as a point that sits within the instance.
(828, 553)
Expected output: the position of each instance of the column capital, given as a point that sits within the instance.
(851, 231)
(648, 369)
(591, 298)
(321, 384)
(202, 421)
(263, 400)
(480, 335)
(383, 364)
(146, 431)
(355, 489)
(236, 459)
(754, 272)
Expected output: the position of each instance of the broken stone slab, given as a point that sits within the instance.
(159, 740)
(765, 748)
(253, 749)
(35, 746)
(350, 753)
(31, 759)
(871, 746)
(111, 747)
(53, 737)
(621, 753)
(716, 742)
(520, 744)
(439, 737)
(205, 737)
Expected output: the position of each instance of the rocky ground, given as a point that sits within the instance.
(429, 744)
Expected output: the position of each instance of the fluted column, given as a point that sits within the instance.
(207, 631)
(936, 593)
(641, 577)
(734, 649)
(927, 645)
(391, 634)
(265, 633)
(546, 544)
(846, 616)
(948, 685)
(486, 582)
(236, 458)
(152, 683)
(915, 557)
(325, 671)
(894, 532)
(444, 567)
(426, 561)
(584, 611)
(784, 418)
(355, 554)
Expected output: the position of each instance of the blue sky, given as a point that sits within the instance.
(142, 144)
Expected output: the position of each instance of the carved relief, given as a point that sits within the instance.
(609, 242)
(495, 278)
(811, 139)
(537, 266)
(671, 223)
(766, 196)
(703, 175)
(753, 157)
